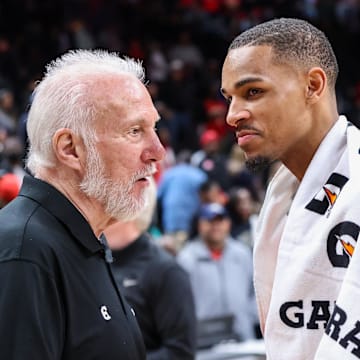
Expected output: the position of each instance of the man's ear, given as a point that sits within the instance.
(316, 84)
(69, 149)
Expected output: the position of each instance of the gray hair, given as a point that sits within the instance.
(63, 99)
(294, 41)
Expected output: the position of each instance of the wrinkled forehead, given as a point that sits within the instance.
(121, 91)
(124, 98)
(123, 85)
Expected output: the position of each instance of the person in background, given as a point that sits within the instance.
(243, 211)
(152, 282)
(220, 270)
(93, 147)
(279, 78)
(11, 157)
(241, 176)
(210, 191)
(178, 201)
(11, 171)
(8, 116)
(211, 159)
(179, 92)
(9, 187)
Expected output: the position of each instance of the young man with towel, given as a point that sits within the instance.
(279, 78)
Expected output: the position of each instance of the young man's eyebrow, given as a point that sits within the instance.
(247, 80)
(238, 84)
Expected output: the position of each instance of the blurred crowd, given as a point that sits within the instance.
(182, 44)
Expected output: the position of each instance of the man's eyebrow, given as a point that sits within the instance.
(240, 83)
(141, 121)
(247, 80)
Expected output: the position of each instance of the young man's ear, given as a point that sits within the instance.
(316, 84)
(68, 148)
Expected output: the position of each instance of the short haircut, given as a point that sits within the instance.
(63, 99)
(294, 41)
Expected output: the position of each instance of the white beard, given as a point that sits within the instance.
(116, 197)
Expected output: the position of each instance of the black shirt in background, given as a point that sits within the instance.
(159, 291)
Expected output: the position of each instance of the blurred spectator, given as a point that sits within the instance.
(11, 157)
(220, 271)
(241, 176)
(211, 160)
(243, 211)
(210, 191)
(214, 104)
(347, 13)
(9, 187)
(186, 50)
(157, 65)
(11, 166)
(109, 38)
(9, 70)
(210, 139)
(76, 35)
(215, 111)
(178, 198)
(136, 48)
(164, 133)
(179, 93)
(21, 126)
(152, 282)
(8, 120)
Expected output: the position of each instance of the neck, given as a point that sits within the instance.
(300, 156)
(216, 246)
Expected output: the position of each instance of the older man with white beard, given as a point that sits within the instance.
(93, 146)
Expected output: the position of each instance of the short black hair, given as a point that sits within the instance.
(294, 41)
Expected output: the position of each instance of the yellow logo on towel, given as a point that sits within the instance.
(349, 249)
(331, 196)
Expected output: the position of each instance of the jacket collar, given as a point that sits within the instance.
(59, 206)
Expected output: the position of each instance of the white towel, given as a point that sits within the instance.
(306, 238)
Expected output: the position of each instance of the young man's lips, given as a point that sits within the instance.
(245, 136)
